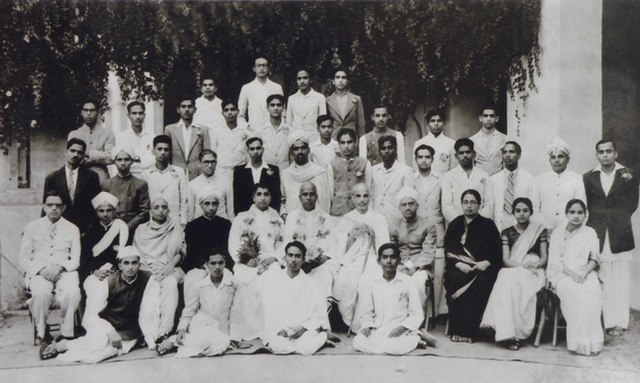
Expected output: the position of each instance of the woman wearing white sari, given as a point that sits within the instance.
(511, 310)
(573, 258)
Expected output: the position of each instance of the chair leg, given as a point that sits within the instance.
(432, 298)
(446, 327)
(541, 322)
(555, 327)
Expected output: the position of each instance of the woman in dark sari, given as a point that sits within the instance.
(473, 257)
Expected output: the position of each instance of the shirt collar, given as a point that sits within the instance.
(615, 169)
(416, 175)
(262, 166)
(398, 278)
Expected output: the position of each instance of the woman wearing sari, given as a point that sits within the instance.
(359, 259)
(511, 310)
(473, 257)
(573, 258)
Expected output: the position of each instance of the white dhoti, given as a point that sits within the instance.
(323, 276)
(582, 306)
(93, 348)
(419, 282)
(511, 310)
(308, 343)
(615, 273)
(203, 341)
(158, 307)
(379, 342)
(67, 293)
(246, 317)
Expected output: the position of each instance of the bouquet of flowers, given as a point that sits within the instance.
(249, 250)
(315, 257)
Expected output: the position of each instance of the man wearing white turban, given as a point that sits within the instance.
(132, 193)
(552, 190)
(416, 240)
(302, 170)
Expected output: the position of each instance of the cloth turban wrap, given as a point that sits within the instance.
(128, 251)
(406, 192)
(104, 197)
(559, 144)
(122, 148)
(298, 135)
(208, 192)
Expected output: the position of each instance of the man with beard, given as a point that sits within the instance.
(302, 170)
(100, 141)
(161, 248)
(463, 177)
(188, 140)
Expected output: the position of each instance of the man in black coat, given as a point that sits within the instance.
(612, 197)
(256, 171)
(76, 185)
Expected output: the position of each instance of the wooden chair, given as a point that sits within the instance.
(556, 317)
(429, 320)
(52, 326)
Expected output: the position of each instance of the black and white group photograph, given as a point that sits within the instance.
(319, 191)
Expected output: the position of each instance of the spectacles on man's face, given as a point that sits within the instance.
(209, 163)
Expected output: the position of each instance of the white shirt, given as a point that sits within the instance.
(551, 192)
(455, 182)
(142, 147)
(253, 101)
(444, 159)
(362, 146)
(229, 144)
(324, 154)
(374, 219)
(304, 109)
(314, 229)
(386, 184)
(266, 225)
(208, 113)
(606, 180)
(170, 184)
(488, 149)
(220, 183)
(186, 133)
(38, 250)
(523, 183)
(276, 149)
(256, 173)
(206, 304)
(295, 175)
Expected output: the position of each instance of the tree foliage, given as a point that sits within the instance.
(55, 53)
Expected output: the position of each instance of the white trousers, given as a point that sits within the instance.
(67, 292)
(379, 342)
(307, 344)
(615, 273)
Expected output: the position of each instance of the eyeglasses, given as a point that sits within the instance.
(209, 163)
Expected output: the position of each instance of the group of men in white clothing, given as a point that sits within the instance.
(256, 222)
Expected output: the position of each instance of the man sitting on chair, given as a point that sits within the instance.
(49, 255)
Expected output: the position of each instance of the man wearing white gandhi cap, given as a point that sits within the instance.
(416, 240)
(131, 192)
(111, 315)
(552, 190)
(302, 170)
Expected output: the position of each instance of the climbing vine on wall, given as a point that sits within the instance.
(55, 53)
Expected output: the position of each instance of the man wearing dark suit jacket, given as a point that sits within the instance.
(345, 107)
(256, 171)
(612, 197)
(76, 185)
(187, 139)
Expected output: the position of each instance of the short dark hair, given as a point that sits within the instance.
(324, 117)
(463, 142)
(304, 70)
(260, 185)
(93, 101)
(297, 244)
(185, 97)
(604, 141)
(387, 138)
(517, 146)
(474, 193)
(253, 139)
(52, 193)
(488, 106)
(387, 246)
(346, 72)
(207, 76)
(348, 131)
(135, 103)
(204, 152)
(432, 113)
(161, 139)
(423, 147)
(379, 106)
(77, 141)
(573, 202)
(258, 57)
(219, 250)
(228, 100)
(523, 200)
(276, 97)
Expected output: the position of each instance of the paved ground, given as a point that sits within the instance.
(481, 362)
